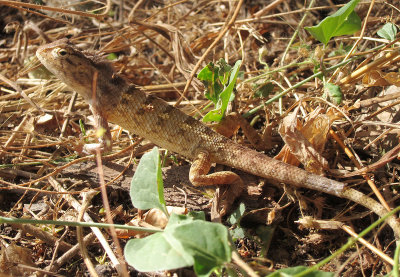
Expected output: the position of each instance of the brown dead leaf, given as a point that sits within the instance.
(393, 78)
(374, 78)
(377, 78)
(316, 128)
(154, 218)
(228, 126)
(305, 142)
(46, 124)
(12, 256)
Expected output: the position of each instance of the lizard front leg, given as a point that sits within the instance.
(198, 177)
(105, 140)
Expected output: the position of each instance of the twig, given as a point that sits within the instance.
(16, 4)
(236, 258)
(267, 8)
(40, 234)
(70, 253)
(359, 166)
(87, 197)
(300, 25)
(77, 206)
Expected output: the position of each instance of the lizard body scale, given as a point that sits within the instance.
(122, 103)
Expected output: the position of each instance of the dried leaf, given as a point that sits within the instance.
(228, 126)
(153, 218)
(12, 256)
(306, 142)
(393, 78)
(316, 129)
(374, 78)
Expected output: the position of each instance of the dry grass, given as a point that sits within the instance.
(162, 45)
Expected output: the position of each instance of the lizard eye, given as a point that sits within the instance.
(60, 52)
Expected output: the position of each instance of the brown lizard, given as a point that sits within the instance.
(114, 99)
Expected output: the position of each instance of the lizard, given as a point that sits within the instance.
(114, 99)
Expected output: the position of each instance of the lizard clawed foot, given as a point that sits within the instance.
(224, 199)
(102, 132)
(93, 148)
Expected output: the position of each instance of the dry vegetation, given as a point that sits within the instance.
(161, 45)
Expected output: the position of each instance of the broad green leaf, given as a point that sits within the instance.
(333, 92)
(147, 185)
(225, 96)
(207, 243)
(351, 25)
(184, 242)
(237, 232)
(209, 76)
(292, 271)
(343, 22)
(264, 90)
(160, 251)
(207, 73)
(388, 31)
(197, 215)
(236, 216)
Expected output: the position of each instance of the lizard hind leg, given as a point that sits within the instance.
(198, 177)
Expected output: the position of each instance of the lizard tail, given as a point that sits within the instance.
(371, 204)
(261, 165)
(256, 163)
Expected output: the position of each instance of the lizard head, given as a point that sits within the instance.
(73, 67)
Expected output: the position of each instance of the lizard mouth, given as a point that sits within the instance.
(42, 54)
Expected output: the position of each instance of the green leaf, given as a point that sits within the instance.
(343, 22)
(292, 271)
(225, 96)
(265, 233)
(207, 73)
(209, 76)
(147, 185)
(264, 89)
(388, 31)
(184, 242)
(207, 243)
(224, 71)
(197, 215)
(112, 56)
(236, 216)
(342, 50)
(160, 251)
(237, 232)
(333, 92)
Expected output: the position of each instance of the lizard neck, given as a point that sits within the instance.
(108, 94)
